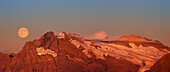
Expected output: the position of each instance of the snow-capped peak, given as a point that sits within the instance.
(98, 35)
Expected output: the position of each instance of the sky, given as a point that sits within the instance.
(148, 18)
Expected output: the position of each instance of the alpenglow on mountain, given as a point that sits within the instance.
(62, 52)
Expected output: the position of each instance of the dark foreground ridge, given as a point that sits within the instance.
(67, 57)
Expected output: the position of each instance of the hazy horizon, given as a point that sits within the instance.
(149, 19)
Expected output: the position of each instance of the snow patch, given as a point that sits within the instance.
(75, 35)
(60, 35)
(42, 51)
(132, 45)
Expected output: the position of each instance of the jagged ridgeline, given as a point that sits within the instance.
(64, 52)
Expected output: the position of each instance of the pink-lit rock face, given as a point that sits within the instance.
(98, 35)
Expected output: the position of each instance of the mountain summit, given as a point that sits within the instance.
(98, 35)
(64, 52)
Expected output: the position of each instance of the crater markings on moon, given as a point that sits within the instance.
(23, 32)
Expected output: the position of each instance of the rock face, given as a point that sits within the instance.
(4, 62)
(59, 54)
(163, 65)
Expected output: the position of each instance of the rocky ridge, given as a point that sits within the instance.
(38, 56)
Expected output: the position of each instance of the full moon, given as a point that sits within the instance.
(23, 32)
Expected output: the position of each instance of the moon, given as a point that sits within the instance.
(23, 32)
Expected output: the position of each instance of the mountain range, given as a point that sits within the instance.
(62, 52)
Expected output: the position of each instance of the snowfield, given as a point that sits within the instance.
(143, 56)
